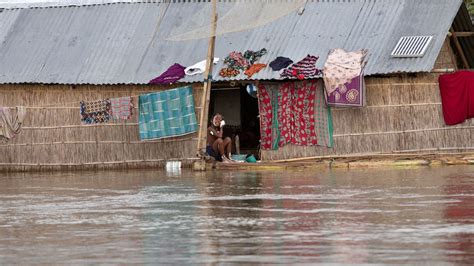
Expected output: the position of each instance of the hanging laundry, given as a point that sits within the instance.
(95, 112)
(166, 114)
(268, 106)
(11, 122)
(255, 68)
(253, 56)
(121, 108)
(228, 72)
(236, 62)
(294, 113)
(304, 69)
(171, 75)
(457, 96)
(280, 63)
(344, 79)
(199, 67)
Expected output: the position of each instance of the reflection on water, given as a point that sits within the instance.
(418, 215)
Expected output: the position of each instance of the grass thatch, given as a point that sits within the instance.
(54, 138)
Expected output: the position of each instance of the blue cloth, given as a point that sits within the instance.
(166, 114)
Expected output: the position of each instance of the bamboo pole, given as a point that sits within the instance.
(206, 95)
(372, 154)
(400, 132)
(459, 48)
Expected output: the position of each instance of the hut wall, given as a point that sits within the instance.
(446, 58)
(403, 115)
(53, 137)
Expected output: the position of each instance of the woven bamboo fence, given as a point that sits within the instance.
(403, 115)
(53, 137)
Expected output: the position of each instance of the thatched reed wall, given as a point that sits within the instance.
(54, 138)
(403, 115)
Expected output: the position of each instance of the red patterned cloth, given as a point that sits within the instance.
(457, 96)
(296, 113)
(266, 114)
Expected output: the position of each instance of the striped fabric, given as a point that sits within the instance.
(304, 69)
(166, 114)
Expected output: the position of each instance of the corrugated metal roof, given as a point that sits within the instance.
(125, 43)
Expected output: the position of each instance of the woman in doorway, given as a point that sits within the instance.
(217, 146)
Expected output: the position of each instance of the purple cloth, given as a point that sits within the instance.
(172, 74)
(280, 63)
(351, 94)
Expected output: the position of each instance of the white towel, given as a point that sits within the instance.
(198, 68)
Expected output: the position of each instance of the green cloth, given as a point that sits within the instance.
(167, 113)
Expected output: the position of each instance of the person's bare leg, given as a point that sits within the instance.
(228, 147)
(218, 147)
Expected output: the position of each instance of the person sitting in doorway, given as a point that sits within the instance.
(217, 146)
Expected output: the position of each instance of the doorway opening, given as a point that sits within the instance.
(239, 106)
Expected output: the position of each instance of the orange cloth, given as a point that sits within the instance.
(254, 69)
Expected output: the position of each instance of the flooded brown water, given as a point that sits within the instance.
(401, 216)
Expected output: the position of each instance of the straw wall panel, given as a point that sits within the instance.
(402, 113)
(54, 138)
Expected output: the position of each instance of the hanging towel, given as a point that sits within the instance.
(166, 114)
(304, 69)
(280, 62)
(95, 112)
(341, 68)
(121, 108)
(199, 67)
(255, 68)
(11, 122)
(457, 96)
(171, 75)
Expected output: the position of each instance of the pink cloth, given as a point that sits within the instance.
(457, 96)
(121, 108)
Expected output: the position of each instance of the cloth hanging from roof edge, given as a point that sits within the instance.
(457, 96)
(303, 69)
(341, 67)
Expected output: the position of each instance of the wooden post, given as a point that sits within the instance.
(206, 95)
(459, 48)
